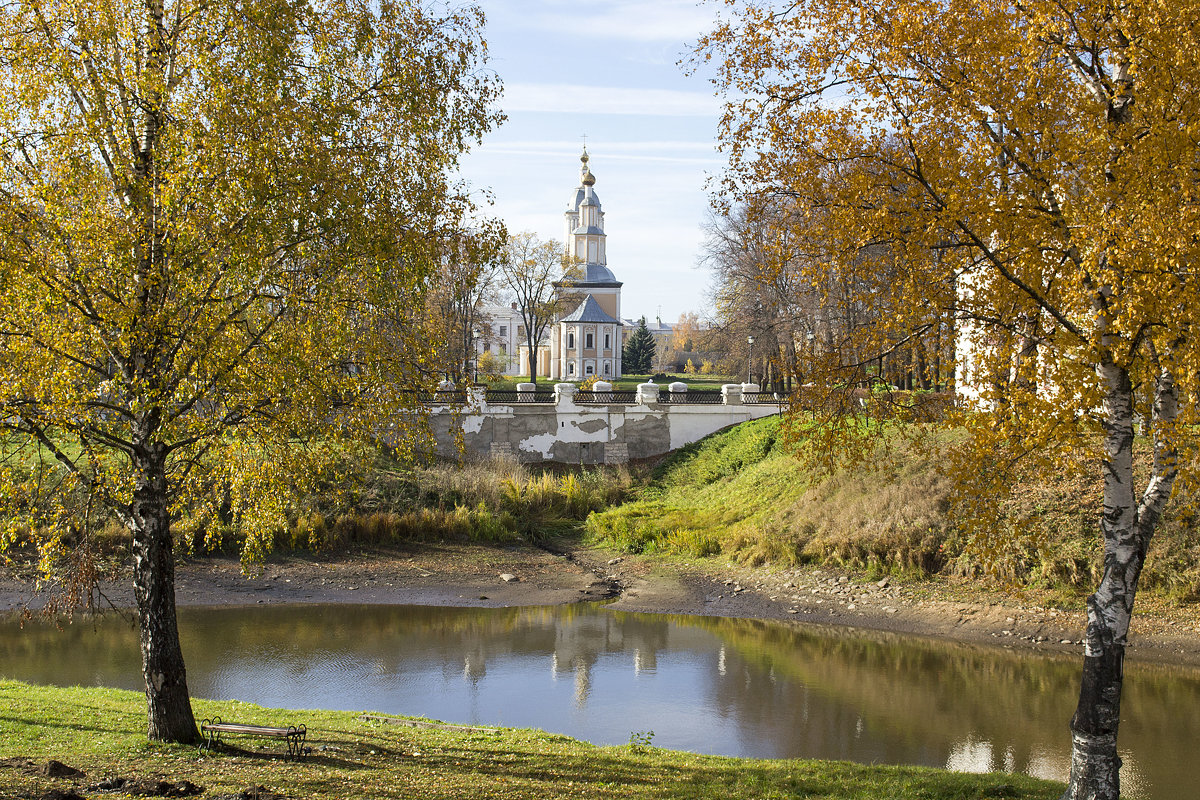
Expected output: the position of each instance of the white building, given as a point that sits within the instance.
(503, 337)
(587, 340)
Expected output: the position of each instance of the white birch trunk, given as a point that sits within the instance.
(1127, 526)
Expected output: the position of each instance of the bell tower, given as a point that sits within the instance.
(587, 341)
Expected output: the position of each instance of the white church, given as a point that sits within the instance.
(587, 341)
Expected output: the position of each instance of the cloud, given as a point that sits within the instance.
(628, 20)
(568, 145)
(566, 98)
(672, 152)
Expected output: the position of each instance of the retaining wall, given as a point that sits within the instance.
(587, 433)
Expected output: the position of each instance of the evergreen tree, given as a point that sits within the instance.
(638, 353)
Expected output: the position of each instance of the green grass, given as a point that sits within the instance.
(102, 732)
(741, 494)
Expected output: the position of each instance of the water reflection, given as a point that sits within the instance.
(710, 685)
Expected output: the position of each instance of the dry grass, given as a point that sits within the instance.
(392, 503)
(493, 501)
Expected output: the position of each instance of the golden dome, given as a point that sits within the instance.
(585, 174)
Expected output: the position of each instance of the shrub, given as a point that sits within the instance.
(491, 367)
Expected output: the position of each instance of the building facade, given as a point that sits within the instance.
(503, 336)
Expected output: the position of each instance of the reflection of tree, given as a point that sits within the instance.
(924, 701)
(79, 653)
(916, 701)
(583, 682)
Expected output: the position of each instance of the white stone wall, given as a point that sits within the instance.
(587, 433)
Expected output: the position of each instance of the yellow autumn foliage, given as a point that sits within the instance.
(218, 225)
(1006, 193)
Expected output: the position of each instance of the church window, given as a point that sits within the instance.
(570, 340)
(571, 368)
(607, 368)
(593, 253)
(589, 369)
(504, 330)
(587, 341)
(607, 341)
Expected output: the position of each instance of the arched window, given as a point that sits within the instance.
(570, 340)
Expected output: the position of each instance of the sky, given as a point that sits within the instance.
(607, 70)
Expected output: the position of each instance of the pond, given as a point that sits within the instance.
(705, 684)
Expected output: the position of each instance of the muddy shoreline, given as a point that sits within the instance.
(477, 576)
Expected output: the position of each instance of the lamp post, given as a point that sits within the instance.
(475, 353)
(750, 360)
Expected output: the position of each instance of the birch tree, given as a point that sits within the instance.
(1033, 166)
(218, 221)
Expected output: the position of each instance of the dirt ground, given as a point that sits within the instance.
(464, 575)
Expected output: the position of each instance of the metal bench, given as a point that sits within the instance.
(213, 728)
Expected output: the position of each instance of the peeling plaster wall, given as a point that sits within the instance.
(578, 434)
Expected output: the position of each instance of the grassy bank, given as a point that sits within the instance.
(101, 732)
(740, 494)
(371, 500)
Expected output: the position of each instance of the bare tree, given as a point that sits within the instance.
(467, 280)
(775, 280)
(534, 270)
